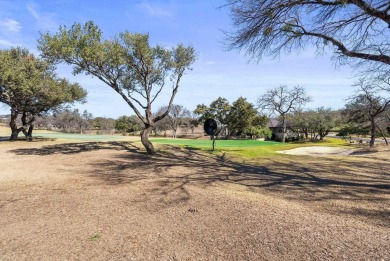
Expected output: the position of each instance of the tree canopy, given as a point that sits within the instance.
(30, 87)
(218, 109)
(127, 124)
(283, 100)
(354, 29)
(241, 116)
(127, 63)
(366, 107)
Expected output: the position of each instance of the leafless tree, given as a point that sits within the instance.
(368, 106)
(177, 116)
(282, 100)
(356, 31)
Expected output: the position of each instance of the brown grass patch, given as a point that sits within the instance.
(110, 201)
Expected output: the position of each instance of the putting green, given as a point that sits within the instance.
(218, 143)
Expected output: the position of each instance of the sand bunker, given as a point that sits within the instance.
(319, 151)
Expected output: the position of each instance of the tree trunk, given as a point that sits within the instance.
(383, 135)
(30, 125)
(323, 134)
(284, 130)
(306, 132)
(14, 128)
(29, 132)
(372, 141)
(145, 140)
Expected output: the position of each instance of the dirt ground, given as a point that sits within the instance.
(110, 201)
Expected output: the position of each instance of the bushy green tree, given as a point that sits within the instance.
(30, 87)
(218, 110)
(127, 124)
(103, 124)
(241, 116)
(259, 132)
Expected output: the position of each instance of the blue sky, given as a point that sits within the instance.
(170, 22)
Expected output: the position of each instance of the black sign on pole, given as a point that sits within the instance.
(212, 128)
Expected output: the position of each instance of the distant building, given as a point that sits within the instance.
(276, 127)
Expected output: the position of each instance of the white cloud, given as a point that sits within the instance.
(10, 25)
(158, 9)
(44, 21)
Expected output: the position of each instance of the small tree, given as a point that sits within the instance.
(193, 122)
(64, 120)
(299, 122)
(127, 64)
(177, 116)
(87, 118)
(367, 106)
(125, 124)
(103, 124)
(218, 110)
(82, 120)
(282, 101)
(259, 132)
(241, 116)
(383, 125)
(322, 121)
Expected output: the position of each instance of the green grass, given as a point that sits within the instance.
(236, 148)
(246, 149)
(243, 149)
(79, 137)
(218, 143)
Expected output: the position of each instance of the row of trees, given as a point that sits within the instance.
(73, 121)
(238, 118)
(363, 114)
(356, 32)
(314, 123)
(66, 120)
(366, 112)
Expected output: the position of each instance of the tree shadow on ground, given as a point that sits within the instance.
(23, 139)
(74, 148)
(336, 186)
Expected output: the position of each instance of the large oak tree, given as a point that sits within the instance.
(30, 87)
(128, 64)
